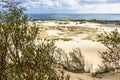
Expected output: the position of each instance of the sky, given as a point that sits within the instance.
(71, 6)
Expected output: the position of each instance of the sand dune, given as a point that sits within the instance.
(89, 47)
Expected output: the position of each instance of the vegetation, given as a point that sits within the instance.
(21, 58)
(111, 57)
(64, 22)
(65, 33)
(77, 60)
(75, 30)
(73, 61)
(56, 38)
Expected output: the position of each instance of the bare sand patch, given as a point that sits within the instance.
(83, 35)
(77, 34)
(88, 48)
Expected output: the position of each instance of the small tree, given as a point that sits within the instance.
(20, 57)
(111, 57)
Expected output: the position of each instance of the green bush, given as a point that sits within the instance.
(78, 63)
(21, 56)
(111, 57)
(73, 61)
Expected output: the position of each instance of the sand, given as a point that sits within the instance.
(89, 48)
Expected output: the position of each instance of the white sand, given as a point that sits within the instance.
(88, 48)
(53, 32)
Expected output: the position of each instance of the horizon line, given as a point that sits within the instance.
(72, 13)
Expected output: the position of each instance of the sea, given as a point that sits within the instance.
(108, 17)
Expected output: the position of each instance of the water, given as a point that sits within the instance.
(110, 17)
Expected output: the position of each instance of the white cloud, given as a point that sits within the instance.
(70, 4)
(52, 4)
(96, 0)
(100, 8)
(78, 6)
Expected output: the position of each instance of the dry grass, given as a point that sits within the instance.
(54, 38)
(72, 31)
(67, 31)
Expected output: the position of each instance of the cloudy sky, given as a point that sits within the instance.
(71, 6)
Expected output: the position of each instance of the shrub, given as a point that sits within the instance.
(20, 57)
(74, 61)
(77, 60)
(111, 57)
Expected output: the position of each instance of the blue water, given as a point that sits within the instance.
(111, 17)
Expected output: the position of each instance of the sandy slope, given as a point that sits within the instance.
(88, 48)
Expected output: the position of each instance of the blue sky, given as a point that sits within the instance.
(71, 6)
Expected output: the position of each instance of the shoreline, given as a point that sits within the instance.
(94, 20)
(82, 16)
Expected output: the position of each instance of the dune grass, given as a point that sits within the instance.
(66, 32)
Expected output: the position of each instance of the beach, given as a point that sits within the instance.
(83, 34)
(77, 34)
(60, 40)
